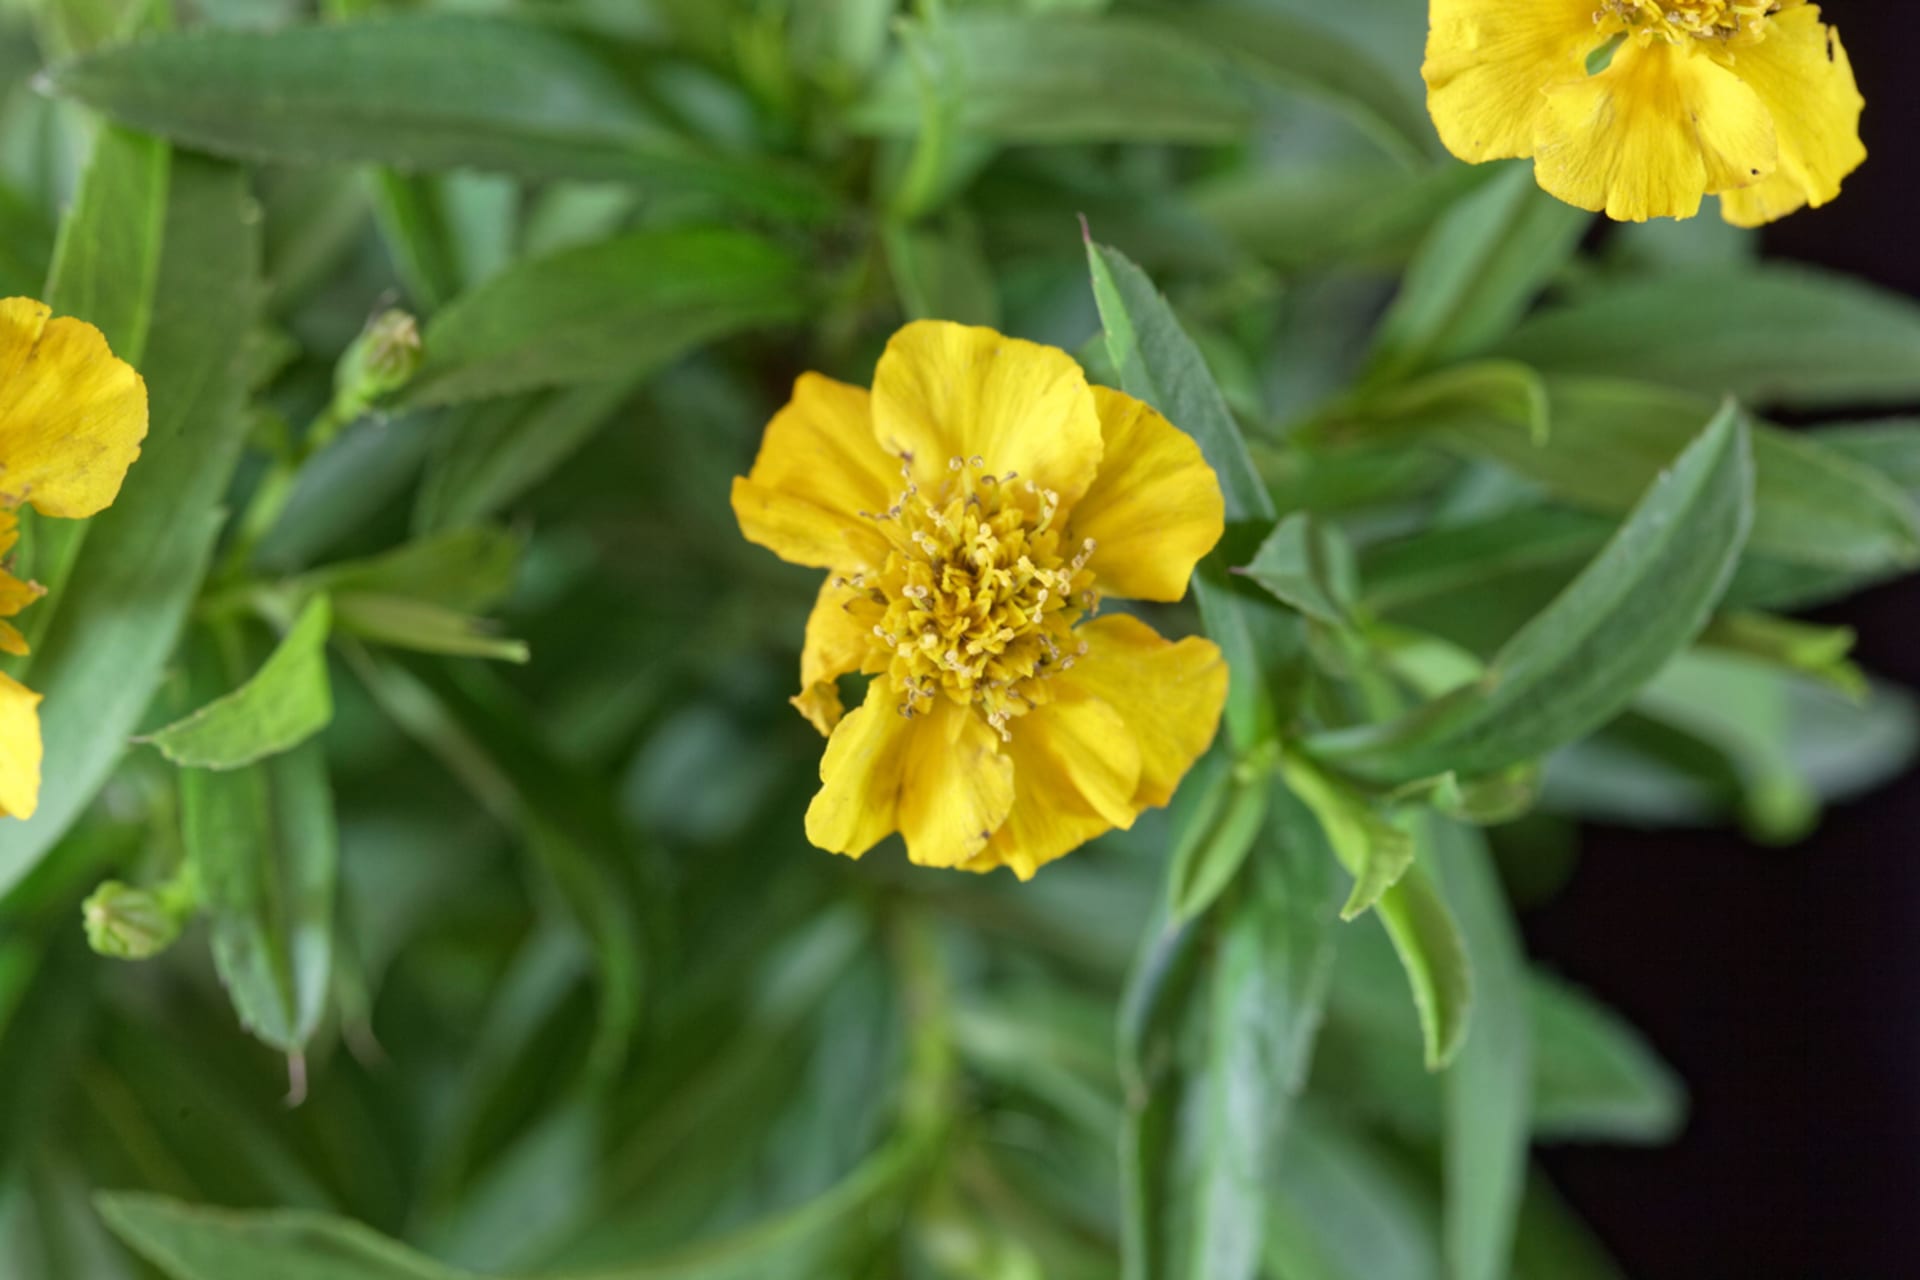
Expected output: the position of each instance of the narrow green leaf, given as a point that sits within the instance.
(469, 569)
(1309, 567)
(1476, 275)
(1428, 942)
(1817, 652)
(191, 1243)
(1580, 662)
(401, 91)
(1050, 78)
(1486, 1090)
(1769, 334)
(142, 561)
(281, 705)
(416, 237)
(1212, 850)
(423, 627)
(1595, 1079)
(1346, 1207)
(1374, 851)
(602, 311)
(1812, 505)
(262, 845)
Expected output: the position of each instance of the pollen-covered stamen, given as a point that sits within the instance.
(1679, 20)
(978, 595)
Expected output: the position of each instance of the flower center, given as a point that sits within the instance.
(978, 595)
(1678, 20)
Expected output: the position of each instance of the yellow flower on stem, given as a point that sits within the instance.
(72, 416)
(972, 510)
(1641, 108)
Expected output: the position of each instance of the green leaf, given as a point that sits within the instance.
(1302, 56)
(1346, 1207)
(285, 702)
(1476, 274)
(1427, 940)
(1819, 653)
(1486, 1089)
(143, 558)
(468, 569)
(191, 1243)
(1215, 837)
(261, 842)
(487, 455)
(423, 627)
(942, 273)
(1578, 663)
(1372, 849)
(1812, 505)
(1308, 567)
(402, 92)
(602, 311)
(1050, 78)
(1768, 334)
(1594, 1078)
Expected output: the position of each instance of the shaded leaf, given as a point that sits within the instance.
(285, 702)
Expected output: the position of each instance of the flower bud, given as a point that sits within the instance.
(128, 923)
(381, 361)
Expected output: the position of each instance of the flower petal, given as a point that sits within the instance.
(1169, 695)
(1154, 509)
(860, 776)
(945, 391)
(956, 788)
(1076, 769)
(72, 415)
(19, 749)
(836, 644)
(817, 469)
(1652, 134)
(1489, 64)
(1805, 80)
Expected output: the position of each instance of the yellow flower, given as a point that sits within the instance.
(1750, 100)
(972, 510)
(71, 420)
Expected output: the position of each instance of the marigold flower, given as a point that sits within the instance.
(1750, 100)
(72, 416)
(972, 511)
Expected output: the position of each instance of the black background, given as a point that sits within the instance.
(1784, 984)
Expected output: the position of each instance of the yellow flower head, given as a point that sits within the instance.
(1642, 107)
(972, 511)
(71, 420)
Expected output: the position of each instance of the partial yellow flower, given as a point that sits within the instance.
(1750, 100)
(72, 416)
(972, 510)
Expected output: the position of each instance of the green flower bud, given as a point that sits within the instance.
(381, 361)
(128, 923)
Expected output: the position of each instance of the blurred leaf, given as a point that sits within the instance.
(1769, 334)
(468, 568)
(1427, 940)
(1486, 1089)
(1594, 1078)
(941, 273)
(1608, 440)
(262, 846)
(416, 237)
(1375, 852)
(143, 558)
(1819, 653)
(1065, 78)
(281, 705)
(1215, 832)
(602, 311)
(402, 91)
(1476, 274)
(1344, 1208)
(1300, 55)
(423, 627)
(190, 1243)
(1579, 662)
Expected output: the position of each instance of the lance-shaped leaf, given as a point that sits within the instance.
(284, 703)
(1580, 662)
(417, 92)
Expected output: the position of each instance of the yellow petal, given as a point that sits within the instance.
(1804, 78)
(817, 469)
(1169, 695)
(19, 749)
(860, 776)
(956, 787)
(1076, 769)
(1651, 135)
(945, 391)
(1154, 509)
(71, 414)
(1489, 64)
(836, 644)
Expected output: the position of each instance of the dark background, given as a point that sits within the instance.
(1783, 984)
